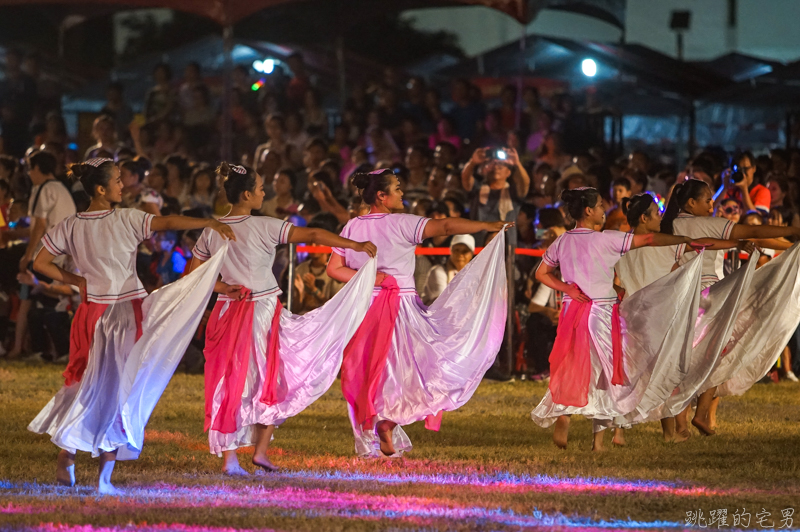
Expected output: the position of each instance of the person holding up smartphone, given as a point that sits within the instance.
(498, 197)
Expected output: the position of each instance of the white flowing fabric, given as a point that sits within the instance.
(310, 347)
(439, 354)
(770, 314)
(720, 304)
(657, 323)
(124, 378)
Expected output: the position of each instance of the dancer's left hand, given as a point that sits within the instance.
(223, 229)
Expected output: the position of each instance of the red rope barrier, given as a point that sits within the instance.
(422, 251)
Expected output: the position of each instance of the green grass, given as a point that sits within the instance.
(452, 479)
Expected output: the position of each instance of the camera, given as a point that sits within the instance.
(498, 154)
(737, 175)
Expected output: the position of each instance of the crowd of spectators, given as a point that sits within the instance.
(455, 153)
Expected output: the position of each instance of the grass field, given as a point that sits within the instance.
(489, 468)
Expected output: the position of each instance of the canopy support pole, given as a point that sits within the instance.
(226, 151)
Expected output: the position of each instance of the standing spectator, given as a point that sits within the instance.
(50, 203)
(296, 91)
(118, 109)
(295, 135)
(314, 115)
(417, 162)
(465, 112)
(104, 132)
(414, 106)
(444, 133)
(508, 108)
(495, 199)
(192, 80)
(161, 100)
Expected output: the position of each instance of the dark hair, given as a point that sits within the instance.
(288, 172)
(92, 176)
(457, 205)
(370, 184)
(138, 166)
(236, 183)
(316, 142)
(164, 67)
(621, 182)
(437, 207)
(681, 194)
(184, 168)
(45, 161)
(278, 118)
(324, 220)
(529, 209)
(5, 186)
(550, 217)
(9, 163)
(203, 169)
(578, 200)
(633, 208)
(633, 174)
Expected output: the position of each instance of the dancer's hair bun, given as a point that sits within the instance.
(224, 170)
(361, 181)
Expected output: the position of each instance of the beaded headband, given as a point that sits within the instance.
(238, 169)
(97, 161)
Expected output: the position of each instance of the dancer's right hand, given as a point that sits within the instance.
(223, 229)
(496, 227)
(234, 291)
(366, 247)
(379, 278)
(577, 294)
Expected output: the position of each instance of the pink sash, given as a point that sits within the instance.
(570, 359)
(81, 336)
(365, 357)
(229, 342)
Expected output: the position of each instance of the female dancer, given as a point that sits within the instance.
(263, 364)
(689, 213)
(642, 267)
(590, 371)
(120, 359)
(407, 362)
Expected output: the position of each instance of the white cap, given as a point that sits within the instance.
(467, 240)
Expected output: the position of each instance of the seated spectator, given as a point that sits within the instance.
(753, 196)
(312, 286)
(462, 249)
(135, 193)
(202, 190)
(283, 203)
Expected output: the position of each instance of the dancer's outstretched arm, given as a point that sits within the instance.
(658, 240)
(185, 223)
(744, 232)
(460, 226)
(300, 235)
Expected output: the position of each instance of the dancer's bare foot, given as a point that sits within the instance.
(104, 485)
(65, 470)
(712, 414)
(702, 426)
(384, 429)
(619, 437)
(231, 466)
(264, 463)
(263, 435)
(681, 436)
(561, 432)
(668, 429)
(597, 442)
